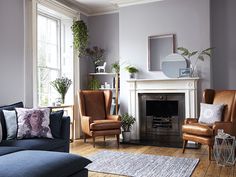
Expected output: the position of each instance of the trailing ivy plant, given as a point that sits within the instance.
(80, 33)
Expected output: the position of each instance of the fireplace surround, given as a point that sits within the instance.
(186, 87)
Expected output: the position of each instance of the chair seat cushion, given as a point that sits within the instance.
(35, 144)
(41, 164)
(105, 125)
(197, 129)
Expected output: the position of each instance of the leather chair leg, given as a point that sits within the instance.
(184, 145)
(104, 138)
(84, 138)
(209, 152)
(118, 140)
(94, 141)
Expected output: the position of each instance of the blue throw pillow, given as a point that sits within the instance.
(11, 123)
(55, 123)
(2, 119)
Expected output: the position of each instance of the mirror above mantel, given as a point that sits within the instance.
(159, 47)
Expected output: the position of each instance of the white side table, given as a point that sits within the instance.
(224, 150)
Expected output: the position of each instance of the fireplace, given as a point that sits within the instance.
(161, 118)
(158, 93)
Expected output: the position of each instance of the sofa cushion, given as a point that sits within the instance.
(2, 119)
(0, 131)
(41, 164)
(11, 123)
(33, 123)
(35, 144)
(55, 123)
(7, 150)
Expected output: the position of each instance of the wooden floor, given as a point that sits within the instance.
(205, 168)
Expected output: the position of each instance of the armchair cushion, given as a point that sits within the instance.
(105, 125)
(197, 129)
(210, 113)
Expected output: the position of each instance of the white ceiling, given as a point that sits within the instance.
(96, 7)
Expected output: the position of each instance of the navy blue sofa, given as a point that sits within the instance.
(34, 157)
(60, 143)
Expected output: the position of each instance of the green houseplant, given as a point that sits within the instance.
(115, 67)
(187, 54)
(94, 84)
(80, 33)
(127, 122)
(132, 71)
(62, 85)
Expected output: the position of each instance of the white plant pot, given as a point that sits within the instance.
(126, 136)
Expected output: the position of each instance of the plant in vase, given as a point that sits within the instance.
(189, 54)
(115, 67)
(62, 85)
(131, 70)
(96, 54)
(127, 122)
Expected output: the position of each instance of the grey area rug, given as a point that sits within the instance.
(141, 165)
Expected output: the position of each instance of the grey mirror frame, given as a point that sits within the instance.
(173, 36)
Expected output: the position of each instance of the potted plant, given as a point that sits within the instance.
(96, 54)
(189, 54)
(80, 33)
(94, 84)
(127, 122)
(62, 85)
(115, 67)
(132, 71)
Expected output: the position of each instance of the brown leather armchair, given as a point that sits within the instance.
(95, 115)
(203, 133)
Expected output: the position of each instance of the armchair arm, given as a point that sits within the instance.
(113, 117)
(190, 120)
(85, 124)
(226, 126)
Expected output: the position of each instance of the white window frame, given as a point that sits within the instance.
(30, 53)
(56, 6)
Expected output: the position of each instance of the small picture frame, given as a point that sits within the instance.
(184, 72)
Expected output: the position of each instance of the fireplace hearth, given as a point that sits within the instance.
(161, 118)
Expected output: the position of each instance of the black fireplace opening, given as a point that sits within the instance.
(161, 112)
(161, 118)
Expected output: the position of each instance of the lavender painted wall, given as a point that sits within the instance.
(188, 19)
(11, 51)
(104, 33)
(223, 35)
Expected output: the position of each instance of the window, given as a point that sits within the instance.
(54, 55)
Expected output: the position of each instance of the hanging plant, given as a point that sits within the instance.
(80, 33)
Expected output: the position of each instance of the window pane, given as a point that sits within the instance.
(48, 44)
(46, 93)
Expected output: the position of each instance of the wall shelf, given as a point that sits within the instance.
(116, 89)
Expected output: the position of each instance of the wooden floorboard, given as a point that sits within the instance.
(205, 168)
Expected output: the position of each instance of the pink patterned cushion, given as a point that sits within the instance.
(33, 123)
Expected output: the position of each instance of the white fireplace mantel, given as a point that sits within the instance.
(188, 86)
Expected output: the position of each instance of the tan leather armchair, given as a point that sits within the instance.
(203, 133)
(95, 115)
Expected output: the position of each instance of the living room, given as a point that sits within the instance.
(35, 32)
